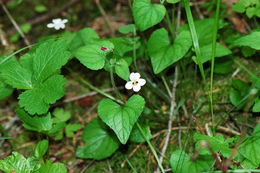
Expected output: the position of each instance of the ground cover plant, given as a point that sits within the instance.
(129, 86)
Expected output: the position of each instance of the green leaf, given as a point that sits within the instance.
(250, 149)
(173, 1)
(83, 37)
(71, 128)
(38, 99)
(162, 53)
(6, 90)
(57, 131)
(256, 107)
(60, 115)
(40, 8)
(100, 141)
(15, 75)
(136, 135)
(41, 148)
(206, 52)
(182, 163)
(35, 123)
(203, 29)
(48, 58)
(52, 168)
(122, 69)
(130, 28)
(15, 163)
(147, 14)
(121, 118)
(92, 56)
(124, 44)
(217, 143)
(251, 40)
(241, 6)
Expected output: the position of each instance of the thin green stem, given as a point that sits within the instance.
(131, 166)
(151, 147)
(113, 82)
(214, 42)
(170, 25)
(134, 49)
(166, 85)
(194, 37)
(246, 70)
(16, 52)
(85, 82)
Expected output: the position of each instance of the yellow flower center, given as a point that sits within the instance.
(135, 82)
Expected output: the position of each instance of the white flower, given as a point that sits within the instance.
(135, 82)
(57, 23)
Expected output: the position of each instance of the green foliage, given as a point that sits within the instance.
(121, 118)
(130, 28)
(251, 40)
(60, 115)
(206, 52)
(19, 164)
(217, 143)
(182, 163)
(37, 74)
(52, 168)
(83, 37)
(37, 123)
(249, 150)
(147, 14)
(173, 1)
(136, 135)
(165, 54)
(250, 7)
(256, 107)
(100, 141)
(41, 148)
(16, 162)
(71, 128)
(5, 89)
(92, 56)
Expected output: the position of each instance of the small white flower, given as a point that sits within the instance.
(57, 23)
(135, 82)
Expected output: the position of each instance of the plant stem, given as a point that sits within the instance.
(85, 82)
(194, 37)
(151, 147)
(113, 82)
(214, 42)
(5, 133)
(246, 70)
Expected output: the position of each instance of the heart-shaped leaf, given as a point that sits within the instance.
(147, 14)
(182, 163)
(100, 142)
(121, 118)
(92, 56)
(163, 54)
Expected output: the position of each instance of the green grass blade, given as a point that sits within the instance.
(214, 42)
(194, 37)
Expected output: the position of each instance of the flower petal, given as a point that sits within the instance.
(129, 85)
(58, 20)
(136, 88)
(57, 27)
(134, 76)
(50, 25)
(141, 82)
(64, 20)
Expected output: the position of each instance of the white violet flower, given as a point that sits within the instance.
(57, 23)
(135, 82)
